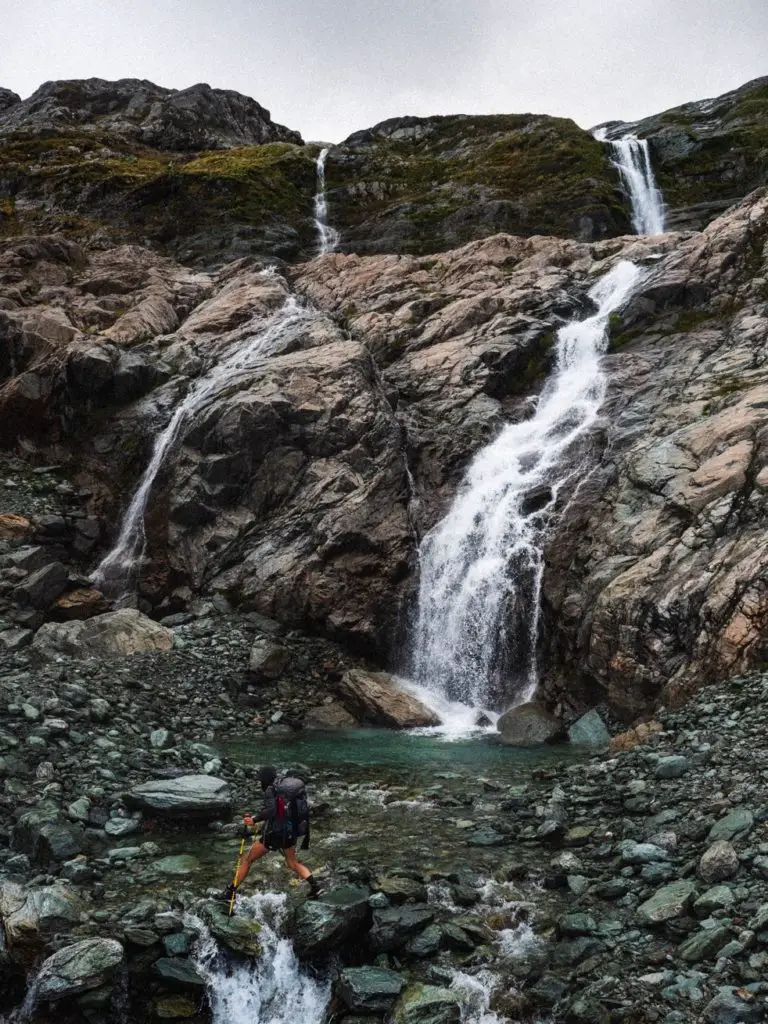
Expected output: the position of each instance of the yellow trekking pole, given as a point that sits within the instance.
(246, 834)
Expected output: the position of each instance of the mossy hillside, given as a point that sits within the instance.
(422, 185)
(256, 198)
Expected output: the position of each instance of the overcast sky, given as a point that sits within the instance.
(330, 67)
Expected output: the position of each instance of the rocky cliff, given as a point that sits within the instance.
(303, 485)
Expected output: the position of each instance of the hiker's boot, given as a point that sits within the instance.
(314, 888)
(228, 894)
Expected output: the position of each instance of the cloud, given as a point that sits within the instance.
(330, 68)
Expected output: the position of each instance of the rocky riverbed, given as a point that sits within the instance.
(622, 886)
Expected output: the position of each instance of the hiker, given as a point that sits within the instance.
(285, 814)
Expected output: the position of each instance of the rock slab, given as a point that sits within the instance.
(190, 796)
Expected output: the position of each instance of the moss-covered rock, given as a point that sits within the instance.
(422, 185)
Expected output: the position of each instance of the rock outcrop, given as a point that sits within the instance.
(422, 185)
(707, 154)
(377, 699)
(138, 111)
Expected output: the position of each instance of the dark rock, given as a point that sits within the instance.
(42, 587)
(77, 968)
(529, 725)
(393, 926)
(323, 925)
(369, 990)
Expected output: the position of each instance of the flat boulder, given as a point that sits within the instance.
(668, 903)
(427, 1004)
(369, 990)
(190, 796)
(529, 725)
(78, 968)
(238, 934)
(29, 917)
(377, 699)
(322, 926)
(82, 603)
(112, 634)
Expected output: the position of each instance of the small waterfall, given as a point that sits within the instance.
(327, 237)
(482, 565)
(272, 990)
(632, 159)
(116, 571)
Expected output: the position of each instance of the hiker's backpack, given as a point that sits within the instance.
(292, 808)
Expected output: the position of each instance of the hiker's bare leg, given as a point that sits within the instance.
(293, 863)
(256, 851)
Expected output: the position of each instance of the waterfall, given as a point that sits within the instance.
(115, 572)
(632, 159)
(327, 237)
(274, 989)
(482, 565)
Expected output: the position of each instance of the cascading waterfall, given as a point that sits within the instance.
(327, 237)
(115, 572)
(632, 159)
(274, 989)
(482, 565)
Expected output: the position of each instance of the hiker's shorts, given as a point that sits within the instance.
(279, 841)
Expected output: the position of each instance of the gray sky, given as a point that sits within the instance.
(330, 67)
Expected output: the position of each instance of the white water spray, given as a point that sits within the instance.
(482, 565)
(274, 989)
(327, 237)
(632, 159)
(116, 570)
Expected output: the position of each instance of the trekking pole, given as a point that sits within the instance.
(245, 835)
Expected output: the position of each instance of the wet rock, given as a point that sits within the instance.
(718, 862)
(369, 990)
(668, 903)
(376, 698)
(123, 632)
(320, 926)
(426, 1004)
(238, 934)
(190, 796)
(393, 926)
(399, 889)
(590, 731)
(178, 866)
(175, 1007)
(719, 897)
(529, 725)
(703, 945)
(178, 972)
(672, 767)
(78, 968)
(45, 839)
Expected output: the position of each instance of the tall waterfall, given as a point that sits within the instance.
(115, 572)
(327, 237)
(632, 159)
(482, 565)
(274, 989)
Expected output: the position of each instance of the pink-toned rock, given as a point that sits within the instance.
(377, 698)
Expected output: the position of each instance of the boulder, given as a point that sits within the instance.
(45, 839)
(113, 634)
(83, 603)
(369, 990)
(590, 731)
(667, 903)
(321, 926)
(427, 1004)
(718, 862)
(529, 725)
(14, 640)
(394, 926)
(31, 916)
(734, 1006)
(189, 796)
(238, 934)
(378, 699)
(329, 716)
(13, 527)
(178, 972)
(78, 968)
(737, 824)
(268, 659)
(42, 587)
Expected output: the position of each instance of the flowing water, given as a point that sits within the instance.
(327, 237)
(632, 159)
(482, 565)
(116, 573)
(275, 989)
